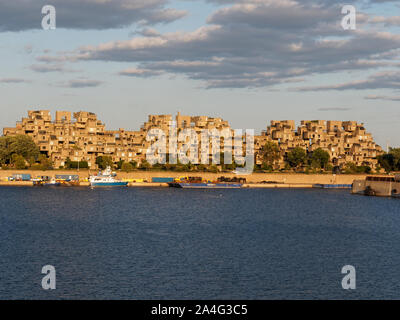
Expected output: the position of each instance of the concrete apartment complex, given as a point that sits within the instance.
(345, 141)
(84, 137)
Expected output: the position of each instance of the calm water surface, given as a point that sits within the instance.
(133, 243)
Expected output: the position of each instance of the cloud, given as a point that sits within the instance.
(82, 83)
(386, 98)
(386, 21)
(14, 80)
(146, 32)
(20, 15)
(45, 68)
(381, 80)
(283, 14)
(134, 72)
(254, 43)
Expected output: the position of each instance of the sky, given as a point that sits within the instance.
(247, 61)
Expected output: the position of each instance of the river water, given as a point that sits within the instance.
(161, 243)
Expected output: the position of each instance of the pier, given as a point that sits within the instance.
(380, 186)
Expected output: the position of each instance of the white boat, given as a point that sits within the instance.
(106, 179)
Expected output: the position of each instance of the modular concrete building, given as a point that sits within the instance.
(81, 136)
(345, 141)
(84, 137)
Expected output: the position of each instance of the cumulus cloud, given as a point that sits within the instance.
(283, 14)
(20, 15)
(256, 43)
(386, 21)
(382, 80)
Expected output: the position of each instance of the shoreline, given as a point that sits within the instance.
(254, 180)
(165, 185)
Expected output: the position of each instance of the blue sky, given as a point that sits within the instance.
(248, 61)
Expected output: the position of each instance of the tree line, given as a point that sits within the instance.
(390, 161)
(21, 152)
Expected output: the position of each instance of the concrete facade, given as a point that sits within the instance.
(81, 136)
(345, 141)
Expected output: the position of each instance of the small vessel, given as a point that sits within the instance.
(205, 185)
(199, 183)
(106, 179)
(68, 180)
(45, 182)
(332, 186)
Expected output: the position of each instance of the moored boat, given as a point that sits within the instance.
(205, 185)
(45, 182)
(199, 183)
(332, 186)
(106, 179)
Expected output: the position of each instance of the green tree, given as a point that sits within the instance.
(396, 158)
(127, 167)
(20, 145)
(297, 157)
(23, 145)
(387, 161)
(271, 154)
(45, 162)
(213, 169)
(4, 152)
(145, 165)
(76, 164)
(99, 161)
(19, 161)
(320, 159)
(353, 168)
(119, 164)
(104, 161)
(134, 164)
(390, 161)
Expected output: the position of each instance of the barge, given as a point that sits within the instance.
(199, 183)
(205, 185)
(332, 186)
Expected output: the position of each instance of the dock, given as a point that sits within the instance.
(383, 186)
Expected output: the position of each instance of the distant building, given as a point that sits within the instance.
(84, 137)
(345, 141)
